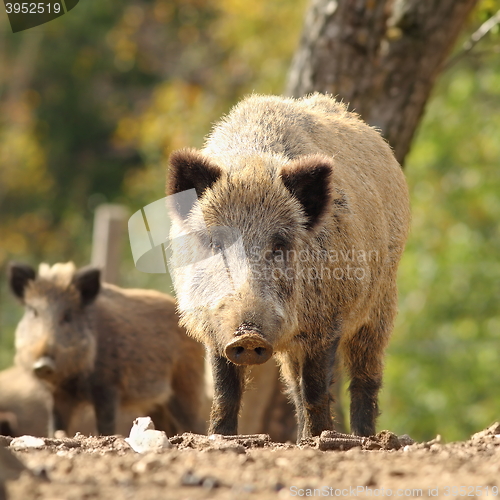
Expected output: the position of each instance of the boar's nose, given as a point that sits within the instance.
(44, 367)
(249, 349)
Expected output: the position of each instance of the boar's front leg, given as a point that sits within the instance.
(309, 376)
(316, 379)
(105, 399)
(229, 381)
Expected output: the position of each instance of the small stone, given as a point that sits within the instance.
(25, 442)
(144, 438)
(388, 440)
(405, 440)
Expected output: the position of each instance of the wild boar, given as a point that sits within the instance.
(290, 247)
(113, 347)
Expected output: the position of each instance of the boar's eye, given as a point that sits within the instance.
(279, 248)
(216, 246)
(67, 316)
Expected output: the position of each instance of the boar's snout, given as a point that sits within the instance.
(249, 349)
(44, 367)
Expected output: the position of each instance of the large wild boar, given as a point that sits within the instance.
(305, 212)
(113, 347)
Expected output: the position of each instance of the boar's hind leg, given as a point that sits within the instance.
(290, 370)
(184, 415)
(62, 413)
(187, 404)
(163, 420)
(228, 389)
(363, 355)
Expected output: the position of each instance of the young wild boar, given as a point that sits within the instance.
(305, 211)
(113, 347)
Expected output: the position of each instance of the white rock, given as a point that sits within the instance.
(23, 442)
(143, 437)
(215, 437)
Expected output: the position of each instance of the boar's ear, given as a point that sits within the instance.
(19, 276)
(189, 169)
(308, 180)
(87, 281)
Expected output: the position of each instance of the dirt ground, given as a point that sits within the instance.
(251, 467)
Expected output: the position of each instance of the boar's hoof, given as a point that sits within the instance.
(44, 367)
(250, 349)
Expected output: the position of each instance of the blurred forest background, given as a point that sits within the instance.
(92, 103)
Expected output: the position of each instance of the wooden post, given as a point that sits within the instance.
(109, 229)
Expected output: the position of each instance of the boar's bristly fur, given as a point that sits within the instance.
(115, 348)
(319, 205)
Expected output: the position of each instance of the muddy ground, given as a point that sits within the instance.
(254, 468)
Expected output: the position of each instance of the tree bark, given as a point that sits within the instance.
(381, 57)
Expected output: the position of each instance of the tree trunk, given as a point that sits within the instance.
(381, 57)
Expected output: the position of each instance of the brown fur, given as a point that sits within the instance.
(114, 347)
(310, 180)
